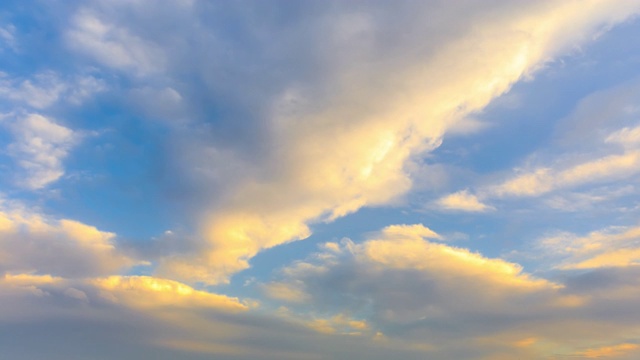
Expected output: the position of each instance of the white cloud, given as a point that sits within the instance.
(44, 89)
(112, 45)
(39, 148)
(40, 92)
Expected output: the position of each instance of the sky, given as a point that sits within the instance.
(190, 179)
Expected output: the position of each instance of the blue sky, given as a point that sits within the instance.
(319, 180)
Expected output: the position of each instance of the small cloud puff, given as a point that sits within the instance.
(462, 201)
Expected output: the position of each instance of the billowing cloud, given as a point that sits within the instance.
(440, 270)
(32, 243)
(411, 289)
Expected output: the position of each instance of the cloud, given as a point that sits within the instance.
(146, 292)
(591, 200)
(463, 201)
(276, 118)
(113, 46)
(40, 145)
(612, 247)
(127, 317)
(409, 289)
(400, 282)
(44, 89)
(629, 137)
(541, 181)
(32, 243)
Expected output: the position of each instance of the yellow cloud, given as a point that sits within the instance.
(31, 242)
(619, 257)
(6, 224)
(87, 235)
(447, 260)
(150, 292)
(605, 248)
(609, 351)
(416, 231)
(30, 279)
(333, 160)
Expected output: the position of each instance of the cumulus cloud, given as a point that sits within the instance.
(32, 243)
(167, 319)
(411, 289)
(463, 201)
(441, 271)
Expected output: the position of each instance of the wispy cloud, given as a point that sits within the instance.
(40, 145)
(617, 246)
